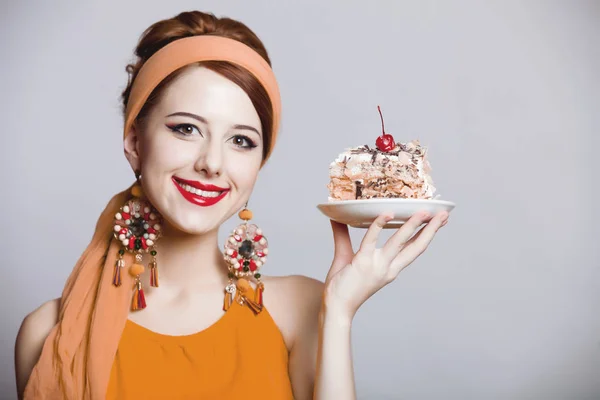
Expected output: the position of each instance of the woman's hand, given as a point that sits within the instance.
(353, 278)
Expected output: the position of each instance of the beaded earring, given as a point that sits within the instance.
(246, 252)
(137, 226)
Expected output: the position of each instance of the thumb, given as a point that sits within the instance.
(341, 241)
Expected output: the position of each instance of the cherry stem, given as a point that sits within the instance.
(381, 115)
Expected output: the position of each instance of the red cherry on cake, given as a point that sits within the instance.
(385, 142)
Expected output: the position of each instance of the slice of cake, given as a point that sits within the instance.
(390, 170)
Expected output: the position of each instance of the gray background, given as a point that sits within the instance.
(504, 305)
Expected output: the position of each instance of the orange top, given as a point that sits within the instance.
(241, 356)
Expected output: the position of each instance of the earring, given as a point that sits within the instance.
(246, 252)
(137, 226)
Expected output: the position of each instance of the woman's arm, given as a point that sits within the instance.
(335, 370)
(30, 340)
(321, 350)
(354, 278)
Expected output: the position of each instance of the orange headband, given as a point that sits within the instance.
(182, 52)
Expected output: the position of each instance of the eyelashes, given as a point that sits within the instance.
(186, 130)
(178, 129)
(239, 139)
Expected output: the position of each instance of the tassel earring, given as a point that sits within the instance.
(137, 226)
(138, 301)
(246, 252)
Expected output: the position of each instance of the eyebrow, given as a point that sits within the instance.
(204, 121)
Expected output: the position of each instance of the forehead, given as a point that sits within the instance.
(204, 92)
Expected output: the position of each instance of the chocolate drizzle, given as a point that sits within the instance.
(367, 150)
(359, 188)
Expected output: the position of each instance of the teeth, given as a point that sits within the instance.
(209, 194)
(198, 192)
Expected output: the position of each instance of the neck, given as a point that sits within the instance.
(186, 260)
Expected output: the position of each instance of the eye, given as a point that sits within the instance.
(243, 142)
(185, 129)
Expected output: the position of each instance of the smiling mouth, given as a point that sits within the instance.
(199, 193)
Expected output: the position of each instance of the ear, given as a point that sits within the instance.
(131, 145)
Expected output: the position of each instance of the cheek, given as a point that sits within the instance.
(160, 155)
(244, 177)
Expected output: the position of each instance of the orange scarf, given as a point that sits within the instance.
(78, 354)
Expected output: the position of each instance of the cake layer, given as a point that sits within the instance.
(365, 173)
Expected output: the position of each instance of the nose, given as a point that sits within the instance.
(210, 160)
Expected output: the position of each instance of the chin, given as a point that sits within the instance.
(191, 226)
(196, 220)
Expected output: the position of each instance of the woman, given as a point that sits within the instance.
(201, 111)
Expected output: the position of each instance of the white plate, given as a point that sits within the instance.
(361, 213)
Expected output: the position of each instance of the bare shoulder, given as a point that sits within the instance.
(297, 283)
(34, 330)
(298, 291)
(294, 302)
(40, 321)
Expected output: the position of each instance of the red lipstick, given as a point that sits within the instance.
(196, 198)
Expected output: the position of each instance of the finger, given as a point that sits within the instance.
(343, 251)
(434, 225)
(418, 243)
(341, 240)
(395, 243)
(369, 242)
